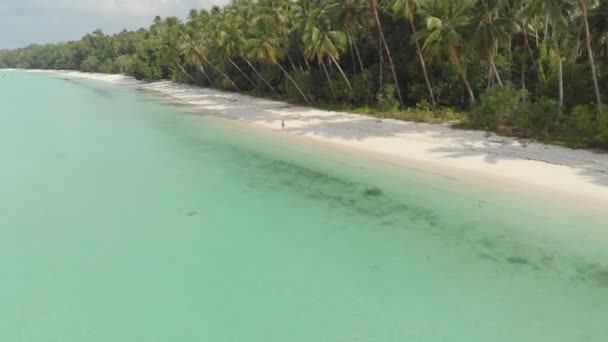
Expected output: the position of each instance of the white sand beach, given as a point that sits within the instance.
(578, 175)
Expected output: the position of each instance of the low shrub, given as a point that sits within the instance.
(535, 119)
(497, 108)
(387, 98)
(365, 88)
(304, 81)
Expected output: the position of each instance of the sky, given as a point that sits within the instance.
(23, 22)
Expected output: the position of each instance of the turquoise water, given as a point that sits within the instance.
(125, 218)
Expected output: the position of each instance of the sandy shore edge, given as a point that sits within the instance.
(572, 175)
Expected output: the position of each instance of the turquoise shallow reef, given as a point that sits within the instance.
(127, 218)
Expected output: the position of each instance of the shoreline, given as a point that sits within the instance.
(579, 176)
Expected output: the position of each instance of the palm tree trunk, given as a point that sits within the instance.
(202, 69)
(381, 54)
(224, 75)
(307, 64)
(352, 52)
(523, 58)
(242, 73)
(184, 71)
(423, 64)
(495, 70)
(259, 75)
(577, 49)
(293, 66)
(560, 75)
(490, 76)
(527, 47)
(299, 62)
(388, 52)
(465, 79)
(523, 71)
(546, 26)
(598, 96)
(342, 72)
(331, 85)
(294, 83)
(358, 56)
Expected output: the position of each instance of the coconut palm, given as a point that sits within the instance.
(192, 54)
(229, 41)
(489, 30)
(169, 31)
(238, 15)
(322, 42)
(598, 23)
(554, 13)
(204, 42)
(266, 45)
(374, 10)
(349, 16)
(583, 5)
(407, 9)
(445, 20)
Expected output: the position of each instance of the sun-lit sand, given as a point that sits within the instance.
(505, 161)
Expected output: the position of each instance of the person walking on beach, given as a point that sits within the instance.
(282, 124)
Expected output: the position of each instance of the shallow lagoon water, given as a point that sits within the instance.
(125, 218)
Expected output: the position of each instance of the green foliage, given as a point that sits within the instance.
(497, 107)
(584, 128)
(108, 67)
(143, 70)
(304, 81)
(90, 64)
(341, 92)
(535, 119)
(387, 98)
(364, 88)
(124, 65)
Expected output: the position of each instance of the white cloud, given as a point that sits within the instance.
(129, 8)
(23, 22)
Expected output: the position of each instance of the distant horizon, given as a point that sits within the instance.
(27, 22)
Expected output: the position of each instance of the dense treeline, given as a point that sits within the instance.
(535, 68)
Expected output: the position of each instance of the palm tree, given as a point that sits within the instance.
(374, 8)
(445, 20)
(322, 42)
(266, 45)
(584, 11)
(238, 15)
(490, 29)
(169, 31)
(229, 41)
(553, 11)
(349, 15)
(192, 54)
(407, 9)
(204, 41)
(598, 22)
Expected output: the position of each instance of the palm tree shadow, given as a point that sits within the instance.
(591, 165)
(455, 144)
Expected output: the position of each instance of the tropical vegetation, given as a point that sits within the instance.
(531, 68)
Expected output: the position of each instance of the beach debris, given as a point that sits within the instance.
(602, 277)
(373, 192)
(518, 260)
